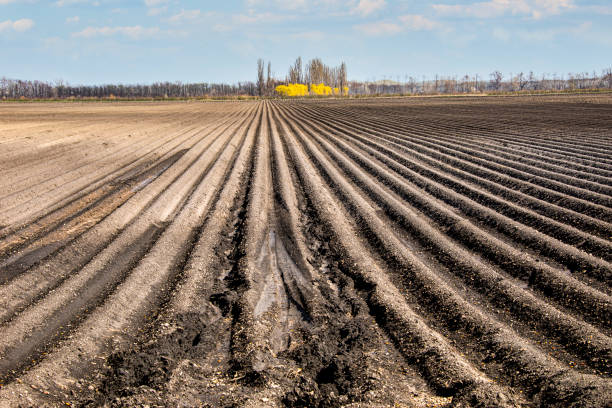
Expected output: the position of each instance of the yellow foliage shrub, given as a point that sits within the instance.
(302, 90)
(320, 89)
(292, 90)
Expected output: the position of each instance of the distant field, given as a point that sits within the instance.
(373, 252)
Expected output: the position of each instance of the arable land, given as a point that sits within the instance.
(439, 252)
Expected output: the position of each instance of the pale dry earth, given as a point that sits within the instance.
(378, 252)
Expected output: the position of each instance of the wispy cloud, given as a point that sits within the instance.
(303, 5)
(497, 8)
(74, 19)
(154, 3)
(3, 2)
(367, 7)
(408, 22)
(19, 25)
(64, 3)
(417, 22)
(238, 20)
(133, 32)
(156, 7)
(260, 18)
(185, 16)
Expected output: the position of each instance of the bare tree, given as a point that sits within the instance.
(532, 80)
(260, 77)
(412, 85)
(571, 81)
(522, 81)
(607, 76)
(342, 82)
(496, 80)
(269, 80)
(315, 71)
(298, 69)
(296, 75)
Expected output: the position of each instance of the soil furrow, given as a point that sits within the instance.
(141, 290)
(507, 157)
(472, 157)
(159, 202)
(536, 368)
(523, 305)
(495, 218)
(549, 195)
(324, 252)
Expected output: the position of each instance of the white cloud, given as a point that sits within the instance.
(19, 25)
(184, 16)
(23, 25)
(304, 5)
(134, 32)
(292, 4)
(283, 4)
(153, 3)
(3, 2)
(239, 20)
(63, 3)
(554, 6)
(74, 19)
(417, 22)
(156, 7)
(408, 22)
(260, 18)
(496, 8)
(367, 7)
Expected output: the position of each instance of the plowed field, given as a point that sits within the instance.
(383, 252)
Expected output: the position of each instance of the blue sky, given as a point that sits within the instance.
(141, 41)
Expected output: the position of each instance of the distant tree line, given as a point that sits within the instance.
(15, 89)
(314, 72)
(496, 82)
